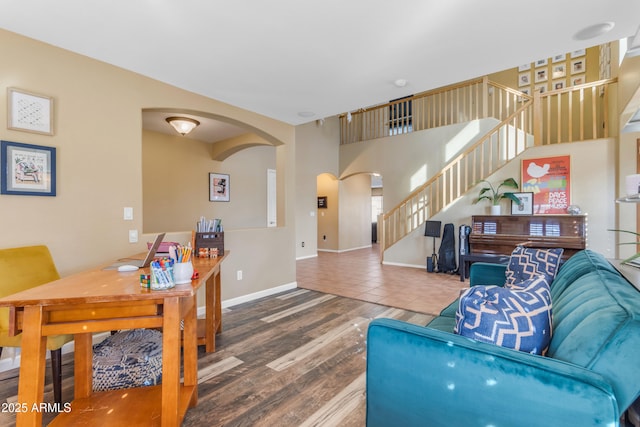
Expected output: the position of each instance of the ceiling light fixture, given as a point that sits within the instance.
(183, 125)
(593, 31)
(400, 82)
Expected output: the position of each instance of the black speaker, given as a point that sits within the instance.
(429, 264)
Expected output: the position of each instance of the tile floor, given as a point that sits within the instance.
(358, 274)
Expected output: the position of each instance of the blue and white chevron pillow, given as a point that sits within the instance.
(526, 263)
(518, 317)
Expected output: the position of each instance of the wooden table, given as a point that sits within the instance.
(104, 300)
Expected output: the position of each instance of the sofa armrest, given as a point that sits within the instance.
(484, 273)
(419, 376)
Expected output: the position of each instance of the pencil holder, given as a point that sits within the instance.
(161, 276)
(182, 272)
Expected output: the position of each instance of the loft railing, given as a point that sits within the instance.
(566, 115)
(460, 103)
(577, 113)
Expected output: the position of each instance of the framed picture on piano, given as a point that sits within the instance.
(525, 207)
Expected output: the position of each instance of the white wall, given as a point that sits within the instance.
(593, 182)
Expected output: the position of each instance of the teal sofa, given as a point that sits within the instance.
(429, 376)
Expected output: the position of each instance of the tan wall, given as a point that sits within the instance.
(317, 145)
(99, 145)
(328, 218)
(355, 212)
(176, 177)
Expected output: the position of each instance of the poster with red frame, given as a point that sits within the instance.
(549, 179)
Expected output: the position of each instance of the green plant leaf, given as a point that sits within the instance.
(513, 198)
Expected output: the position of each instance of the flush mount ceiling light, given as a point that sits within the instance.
(593, 31)
(183, 125)
(400, 82)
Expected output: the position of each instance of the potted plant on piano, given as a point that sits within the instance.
(495, 194)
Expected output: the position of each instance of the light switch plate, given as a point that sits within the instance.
(128, 214)
(133, 236)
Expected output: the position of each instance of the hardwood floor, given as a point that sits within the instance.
(297, 358)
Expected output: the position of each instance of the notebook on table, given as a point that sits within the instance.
(140, 262)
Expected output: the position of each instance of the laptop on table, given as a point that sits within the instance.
(141, 263)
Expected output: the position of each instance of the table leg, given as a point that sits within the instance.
(83, 365)
(209, 328)
(190, 351)
(32, 368)
(170, 362)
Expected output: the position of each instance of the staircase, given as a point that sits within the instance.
(573, 114)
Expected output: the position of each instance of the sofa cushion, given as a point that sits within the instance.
(518, 317)
(526, 263)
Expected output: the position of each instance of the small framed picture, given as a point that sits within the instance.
(526, 204)
(558, 84)
(524, 79)
(219, 187)
(322, 202)
(541, 88)
(27, 169)
(541, 62)
(559, 58)
(29, 112)
(524, 67)
(541, 75)
(578, 53)
(578, 66)
(558, 70)
(578, 80)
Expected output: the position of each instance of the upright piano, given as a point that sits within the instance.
(494, 237)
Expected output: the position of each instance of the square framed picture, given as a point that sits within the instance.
(524, 67)
(578, 53)
(558, 84)
(526, 204)
(541, 62)
(29, 112)
(578, 80)
(559, 58)
(524, 79)
(578, 66)
(541, 88)
(541, 75)
(27, 169)
(219, 187)
(558, 70)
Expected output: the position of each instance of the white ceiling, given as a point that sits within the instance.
(281, 58)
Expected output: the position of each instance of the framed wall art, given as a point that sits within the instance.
(578, 66)
(27, 169)
(549, 179)
(219, 187)
(29, 112)
(526, 204)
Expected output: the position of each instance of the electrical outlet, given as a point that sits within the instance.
(239, 275)
(133, 236)
(303, 244)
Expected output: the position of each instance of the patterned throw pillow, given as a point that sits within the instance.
(518, 317)
(526, 263)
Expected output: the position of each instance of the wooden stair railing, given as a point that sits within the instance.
(503, 143)
(566, 115)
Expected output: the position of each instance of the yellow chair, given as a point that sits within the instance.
(24, 268)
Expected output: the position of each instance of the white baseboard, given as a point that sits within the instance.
(9, 362)
(399, 264)
(256, 295)
(307, 257)
(339, 251)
